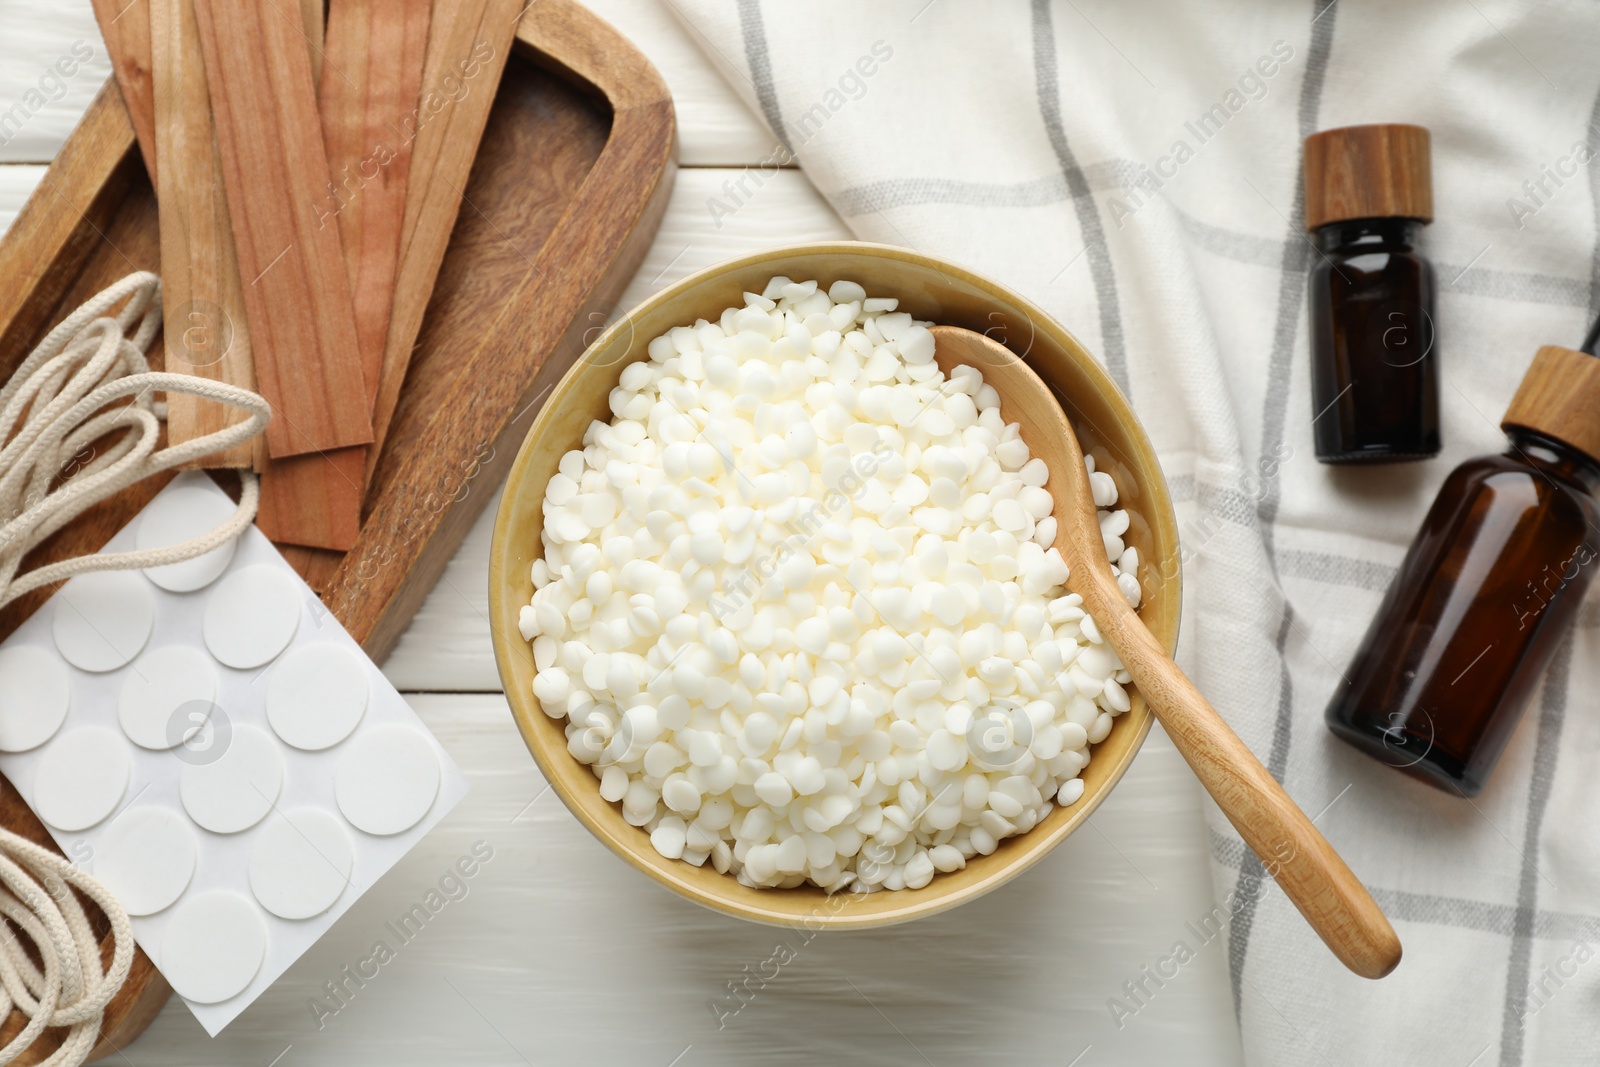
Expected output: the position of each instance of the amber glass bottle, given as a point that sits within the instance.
(1487, 590)
(1374, 368)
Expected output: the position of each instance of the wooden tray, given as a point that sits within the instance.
(567, 190)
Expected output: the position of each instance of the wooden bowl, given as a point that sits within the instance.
(929, 289)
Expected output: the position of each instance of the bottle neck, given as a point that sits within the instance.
(1356, 234)
(1558, 459)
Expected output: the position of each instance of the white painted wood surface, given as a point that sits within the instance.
(557, 953)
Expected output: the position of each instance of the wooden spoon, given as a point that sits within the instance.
(1293, 851)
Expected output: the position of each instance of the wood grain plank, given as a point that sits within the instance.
(716, 128)
(64, 223)
(374, 52)
(521, 335)
(125, 25)
(313, 500)
(205, 329)
(378, 48)
(467, 49)
(296, 290)
(313, 22)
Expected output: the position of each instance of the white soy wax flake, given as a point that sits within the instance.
(251, 616)
(81, 778)
(213, 946)
(102, 619)
(233, 782)
(166, 697)
(301, 863)
(146, 857)
(317, 695)
(799, 606)
(35, 694)
(387, 780)
(182, 514)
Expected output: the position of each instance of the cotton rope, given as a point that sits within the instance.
(70, 990)
(53, 405)
(57, 405)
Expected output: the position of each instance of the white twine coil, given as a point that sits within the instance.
(70, 990)
(56, 406)
(87, 379)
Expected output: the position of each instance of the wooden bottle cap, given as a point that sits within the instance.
(1366, 172)
(1560, 397)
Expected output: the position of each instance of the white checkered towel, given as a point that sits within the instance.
(1024, 140)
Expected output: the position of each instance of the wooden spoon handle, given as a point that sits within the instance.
(1311, 874)
(1292, 850)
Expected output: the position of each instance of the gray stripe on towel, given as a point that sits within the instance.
(752, 27)
(1435, 910)
(1531, 287)
(1291, 294)
(1552, 715)
(1225, 503)
(1100, 266)
(1180, 487)
(1332, 569)
(887, 193)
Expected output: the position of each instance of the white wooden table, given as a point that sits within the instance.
(556, 952)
